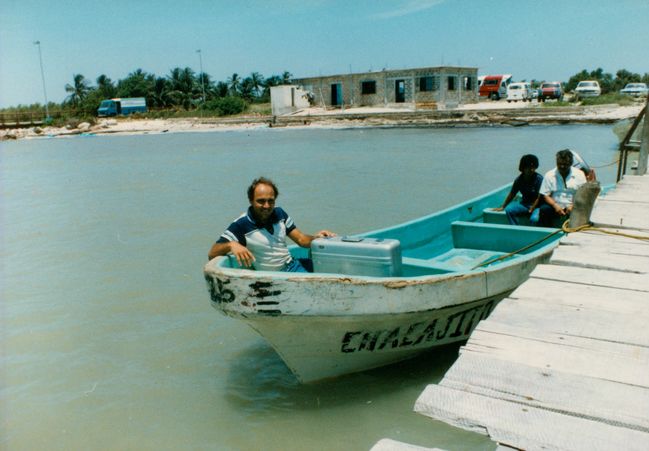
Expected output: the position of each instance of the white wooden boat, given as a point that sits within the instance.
(455, 267)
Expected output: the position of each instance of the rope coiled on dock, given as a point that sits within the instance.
(566, 229)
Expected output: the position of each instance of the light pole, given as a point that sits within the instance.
(200, 60)
(40, 58)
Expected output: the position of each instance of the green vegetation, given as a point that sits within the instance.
(606, 99)
(606, 80)
(182, 93)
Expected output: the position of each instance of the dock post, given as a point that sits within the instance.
(644, 145)
(583, 204)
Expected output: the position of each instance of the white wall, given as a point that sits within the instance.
(288, 99)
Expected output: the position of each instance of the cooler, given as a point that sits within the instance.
(357, 256)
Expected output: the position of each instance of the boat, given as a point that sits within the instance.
(455, 266)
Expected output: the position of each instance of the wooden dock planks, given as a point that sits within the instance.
(563, 363)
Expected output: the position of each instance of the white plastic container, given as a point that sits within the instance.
(357, 256)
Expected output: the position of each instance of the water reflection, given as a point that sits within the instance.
(259, 381)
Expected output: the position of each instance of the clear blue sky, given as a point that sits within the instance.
(543, 40)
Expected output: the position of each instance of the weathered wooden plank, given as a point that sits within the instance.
(576, 296)
(614, 213)
(386, 444)
(523, 426)
(612, 244)
(630, 197)
(599, 258)
(621, 362)
(582, 321)
(599, 400)
(596, 277)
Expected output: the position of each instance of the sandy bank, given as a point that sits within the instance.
(481, 114)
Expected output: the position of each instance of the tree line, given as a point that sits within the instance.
(181, 89)
(607, 82)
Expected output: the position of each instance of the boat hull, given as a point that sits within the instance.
(321, 347)
(324, 327)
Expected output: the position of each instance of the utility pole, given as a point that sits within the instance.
(200, 60)
(40, 59)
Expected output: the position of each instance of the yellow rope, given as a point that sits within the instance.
(517, 251)
(584, 227)
(605, 165)
(564, 228)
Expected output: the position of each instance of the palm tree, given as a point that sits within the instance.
(286, 77)
(221, 89)
(137, 84)
(257, 82)
(234, 83)
(78, 90)
(105, 87)
(183, 88)
(247, 89)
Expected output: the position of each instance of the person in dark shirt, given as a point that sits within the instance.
(528, 184)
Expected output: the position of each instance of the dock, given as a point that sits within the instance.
(563, 362)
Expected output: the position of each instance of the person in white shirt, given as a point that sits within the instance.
(558, 190)
(257, 238)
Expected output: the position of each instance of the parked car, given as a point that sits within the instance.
(587, 88)
(550, 90)
(519, 91)
(635, 89)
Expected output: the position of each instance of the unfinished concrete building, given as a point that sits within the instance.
(426, 87)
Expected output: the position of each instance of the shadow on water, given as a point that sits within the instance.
(260, 381)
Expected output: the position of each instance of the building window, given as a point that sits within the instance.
(468, 83)
(451, 83)
(428, 83)
(368, 87)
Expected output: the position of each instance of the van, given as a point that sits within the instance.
(122, 107)
(519, 91)
(495, 86)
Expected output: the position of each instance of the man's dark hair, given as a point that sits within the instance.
(528, 161)
(565, 154)
(261, 181)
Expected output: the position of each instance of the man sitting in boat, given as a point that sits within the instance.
(528, 184)
(558, 190)
(258, 237)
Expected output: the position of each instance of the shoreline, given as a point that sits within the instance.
(483, 114)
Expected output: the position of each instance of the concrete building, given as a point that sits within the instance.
(427, 87)
(286, 99)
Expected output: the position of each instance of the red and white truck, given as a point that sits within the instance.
(495, 86)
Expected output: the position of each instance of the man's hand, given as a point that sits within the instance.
(324, 234)
(498, 209)
(560, 211)
(243, 255)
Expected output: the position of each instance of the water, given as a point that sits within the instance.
(108, 338)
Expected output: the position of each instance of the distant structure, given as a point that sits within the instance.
(287, 99)
(427, 87)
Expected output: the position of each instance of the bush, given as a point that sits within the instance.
(606, 99)
(226, 106)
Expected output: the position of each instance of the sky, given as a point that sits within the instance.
(531, 39)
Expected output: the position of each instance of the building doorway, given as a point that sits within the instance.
(336, 94)
(400, 91)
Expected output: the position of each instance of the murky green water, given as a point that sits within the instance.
(108, 338)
